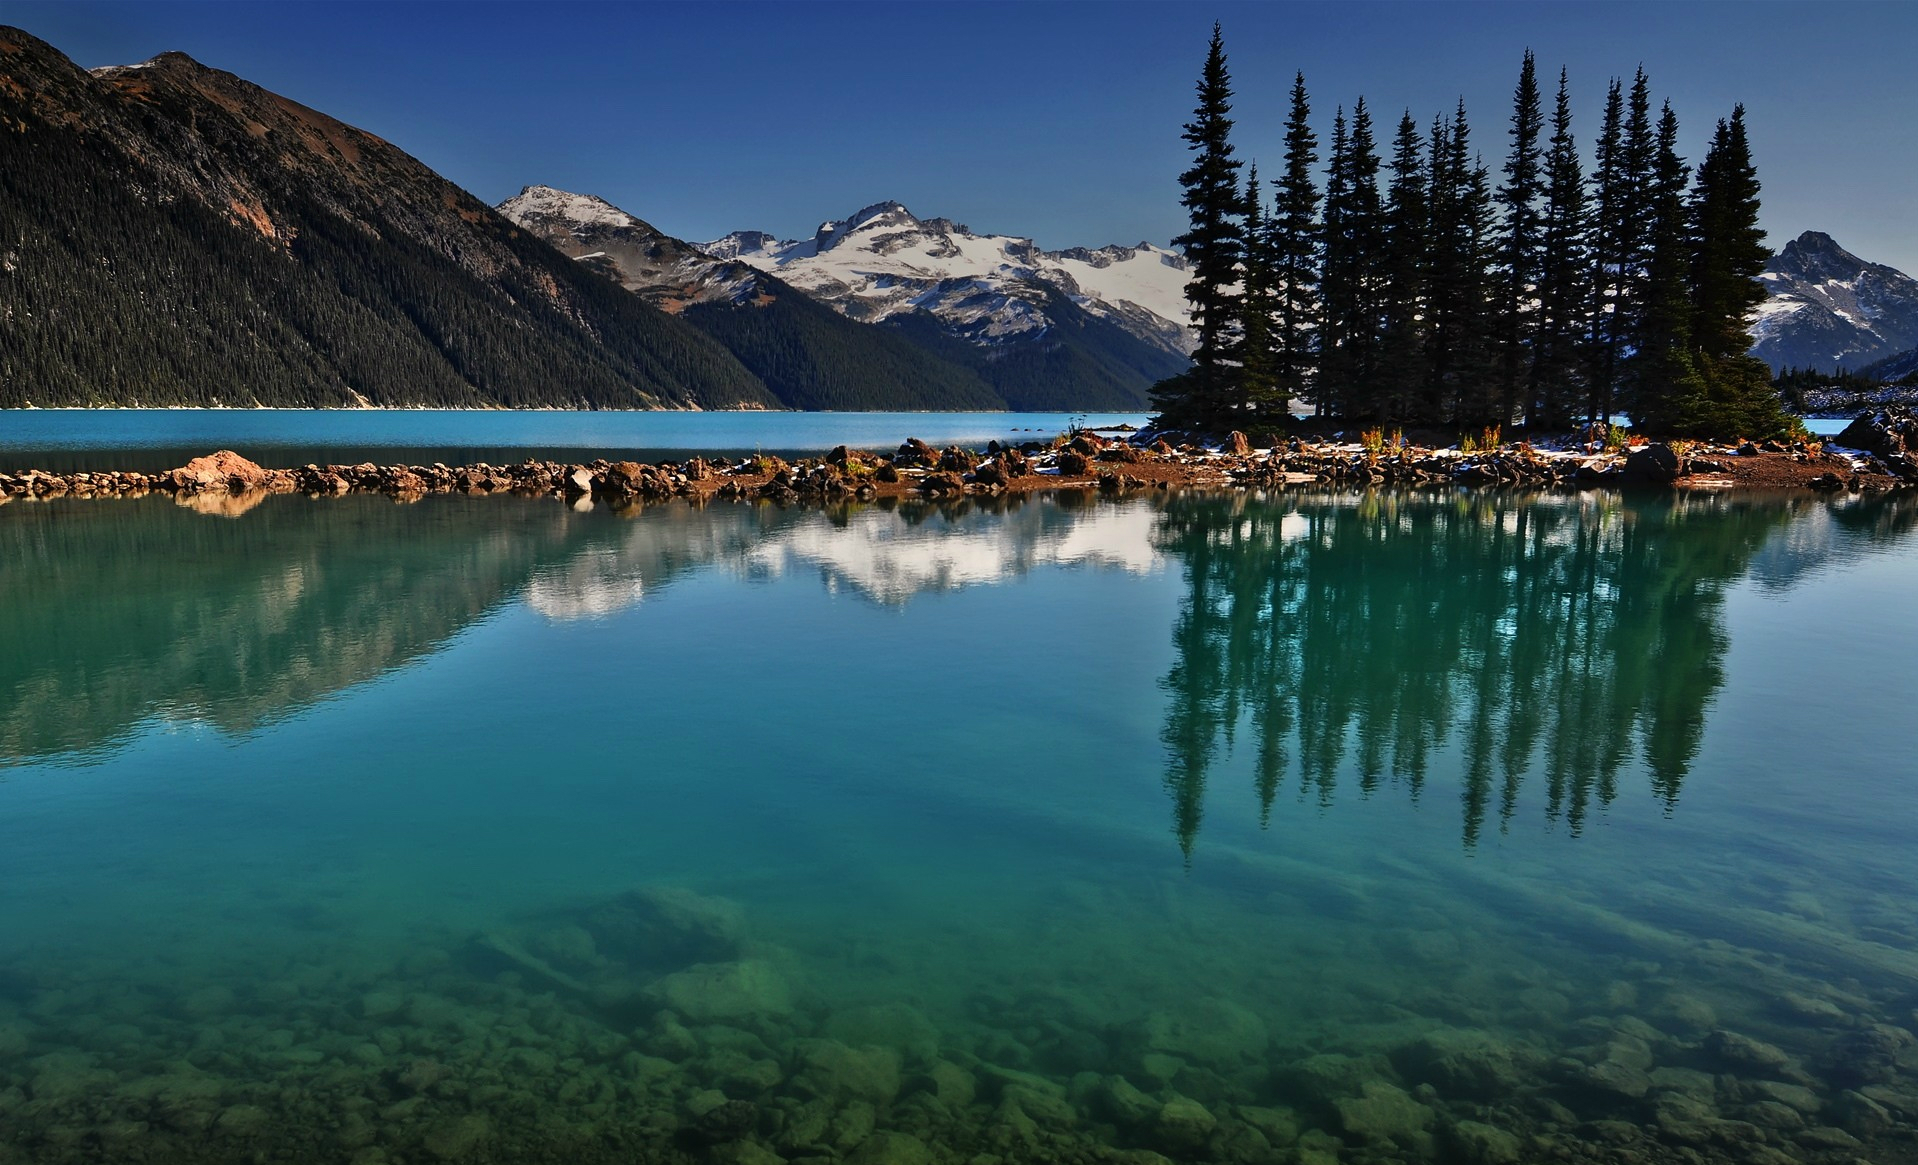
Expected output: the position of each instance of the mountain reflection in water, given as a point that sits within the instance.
(1555, 640)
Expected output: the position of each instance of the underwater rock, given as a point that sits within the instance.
(1866, 1056)
(1182, 1125)
(13, 1043)
(1206, 1031)
(1324, 1078)
(455, 1138)
(1685, 1015)
(886, 1025)
(243, 1120)
(666, 927)
(831, 1070)
(1860, 1115)
(711, 992)
(954, 1086)
(1740, 1051)
(744, 1153)
(1460, 1062)
(1279, 1126)
(715, 1118)
(1475, 1143)
(1383, 1112)
(891, 1148)
(1118, 1101)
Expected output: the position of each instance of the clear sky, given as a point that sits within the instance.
(1057, 121)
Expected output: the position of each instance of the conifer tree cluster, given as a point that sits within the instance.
(1414, 287)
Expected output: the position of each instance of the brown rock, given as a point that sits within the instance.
(1073, 464)
(225, 470)
(1237, 445)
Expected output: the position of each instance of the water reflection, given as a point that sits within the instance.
(115, 612)
(1553, 637)
(1546, 641)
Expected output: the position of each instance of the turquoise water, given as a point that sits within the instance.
(146, 440)
(1301, 828)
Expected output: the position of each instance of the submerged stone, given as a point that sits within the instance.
(1476, 1143)
(886, 1025)
(456, 1138)
(1383, 1111)
(831, 1070)
(1206, 1031)
(1743, 1052)
(725, 991)
(663, 927)
(1182, 1125)
(1460, 1062)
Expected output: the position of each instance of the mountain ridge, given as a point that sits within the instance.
(175, 234)
(1021, 341)
(1827, 308)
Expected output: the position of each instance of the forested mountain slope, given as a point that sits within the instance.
(172, 234)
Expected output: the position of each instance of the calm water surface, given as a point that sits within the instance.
(1304, 828)
(154, 439)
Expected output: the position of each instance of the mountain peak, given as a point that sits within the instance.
(1827, 308)
(552, 203)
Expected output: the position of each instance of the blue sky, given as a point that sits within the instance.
(1058, 121)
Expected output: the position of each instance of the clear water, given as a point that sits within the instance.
(1303, 828)
(147, 440)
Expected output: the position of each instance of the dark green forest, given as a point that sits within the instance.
(1415, 286)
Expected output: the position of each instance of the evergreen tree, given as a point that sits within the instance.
(1563, 279)
(1353, 228)
(1257, 384)
(1293, 253)
(1402, 370)
(1337, 273)
(1214, 246)
(1729, 251)
(1519, 197)
(1732, 393)
(1459, 300)
(1609, 198)
(1661, 368)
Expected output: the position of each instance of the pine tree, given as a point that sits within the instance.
(1661, 371)
(1609, 198)
(1257, 384)
(1729, 249)
(1402, 370)
(1563, 279)
(1349, 348)
(1214, 246)
(1519, 197)
(1732, 394)
(1294, 255)
(1459, 301)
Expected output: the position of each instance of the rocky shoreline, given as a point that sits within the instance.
(1878, 452)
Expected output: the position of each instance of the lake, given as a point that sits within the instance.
(1303, 827)
(149, 440)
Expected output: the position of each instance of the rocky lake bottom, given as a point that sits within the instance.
(1348, 826)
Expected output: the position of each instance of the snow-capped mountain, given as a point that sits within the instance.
(666, 271)
(1827, 308)
(885, 261)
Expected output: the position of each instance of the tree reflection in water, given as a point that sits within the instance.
(1551, 638)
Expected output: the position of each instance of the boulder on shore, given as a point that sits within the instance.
(1885, 431)
(224, 470)
(1653, 465)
